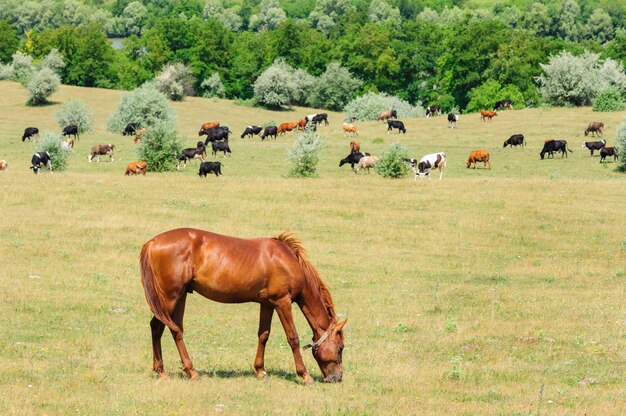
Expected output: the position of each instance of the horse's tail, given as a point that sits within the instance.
(153, 292)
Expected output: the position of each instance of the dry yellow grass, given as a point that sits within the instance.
(492, 292)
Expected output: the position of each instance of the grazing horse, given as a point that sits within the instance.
(386, 115)
(273, 272)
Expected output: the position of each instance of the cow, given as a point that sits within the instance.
(550, 146)
(452, 119)
(386, 115)
(349, 129)
(486, 114)
(285, 127)
(352, 159)
(136, 168)
(208, 167)
(479, 156)
(318, 118)
(208, 125)
(608, 151)
(3, 165)
(366, 162)
(216, 133)
(269, 132)
(40, 159)
(595, 127)
(395, 124)
(429, 162)
(433, 110)
(71, 130)
(355, 146)
(30, 132)
(515, 140)
(251, 131)
(101, 150)
(500, 105)
(139, 134)
(220, 147)
(190, 153)
(302, 123)
(411, 162)
(130, 129)
(68, 144)
(592, 146)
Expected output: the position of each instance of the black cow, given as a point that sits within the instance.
(251, 131)
(452, 119)
(220, 147)
(608, 151)
(71, 130)
(269, 132)
(208, 167)
(551, 146)
(190, 153)
(318, 118)
(215, 133)
(594, 145)
(41, 159)
(131, 128)
(433, 110)
(515, 140)
(503, 104)
(30, 132)
(395, 124)
(352, 159)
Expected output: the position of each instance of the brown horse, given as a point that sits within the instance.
(271, 271)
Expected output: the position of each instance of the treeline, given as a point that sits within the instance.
(419, 50)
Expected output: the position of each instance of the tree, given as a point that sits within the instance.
(486, 95)
(304, 83)
(270, 15)
(328, 13)
(42, 85)
(145, 105)
(158, 146)
(22, 67)
(568, 20)
(134, 15)
(392, 163)
(382, 12)
(229, 18)
(275, 86)
(304, 155)
(621, 147)
(334, 88)
(213, 86)
(537, 19)
(54, 61)
(175, 81)
(599, 26)
(76, 113)
(8, 40)
(610, 99)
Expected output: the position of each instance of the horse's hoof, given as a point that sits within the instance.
(308, 381)
(262, 375)
(193, 376)
(162, 376)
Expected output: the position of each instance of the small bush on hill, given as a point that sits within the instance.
(485, 96)
(144, 105)
(304, 155)
(175, 81)
(42, 85)
(276, 85)
(392, 164)
(609, 100)
(76, 113)
(159, 146)
(54, 61)
(213, 86)
(6, 72)
(370, 105)
(51, 143)
(621, 148)
(22, 68)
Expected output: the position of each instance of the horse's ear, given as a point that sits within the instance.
(340, 325)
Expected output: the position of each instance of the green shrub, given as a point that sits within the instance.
(213, 86)
(54, 61)
(392, 164)
(51, 143)
(175, 81)
(42, 85)
(76, 113)
(334, 88)
(159, 146)
(22, 68)
(144, 105)
(485, 96)
(621, 147)
(370, 105)
(276, 85)
(304, 155)
(609, 100)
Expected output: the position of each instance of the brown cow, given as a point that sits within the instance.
(284, 127)
(302, 123)
(136, 168)
(349, 129)
(479, 156)
(208, 125)
(355, 146)
(594, 127)
(386, 115)
(68, 144)
(101, 150)
(3, 165)
(138, 134)
(486, 114)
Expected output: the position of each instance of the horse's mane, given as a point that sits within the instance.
(312, 277)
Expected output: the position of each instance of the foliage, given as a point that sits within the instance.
(229, 18)
(51, 143)
(144, 105)
(213, 86)
(42, 85)
(270, 15)
(305, 84)
(175, 81)
(382, 12)
(133, 17)
(621, 147)
(8, 40)
(22, 68)
(159, 146)
(599, 26)
(6, 72)
(609, 100)
(304, 155)
(370, 105)
(485, 96)
(275, 86)
(54, 61)
(328, 13)
(334, 88)
(392, 164)
(76, 113)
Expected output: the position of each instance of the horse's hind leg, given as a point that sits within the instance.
(177, 317)
(157, 328)
(265, 324)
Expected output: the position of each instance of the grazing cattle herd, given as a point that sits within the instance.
(217, 135)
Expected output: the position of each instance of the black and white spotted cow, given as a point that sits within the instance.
(251, 131)
(30, 132)
(452, 119)
(429, 162)
(40, 159)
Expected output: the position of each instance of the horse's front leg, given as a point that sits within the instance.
(283, 308)
(265, 324)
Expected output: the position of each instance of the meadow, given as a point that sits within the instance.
(492, 292)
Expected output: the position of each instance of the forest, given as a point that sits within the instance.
(422, 51)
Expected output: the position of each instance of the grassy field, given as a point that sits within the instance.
(493, 292)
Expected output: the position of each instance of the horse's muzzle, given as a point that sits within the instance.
(332, 379)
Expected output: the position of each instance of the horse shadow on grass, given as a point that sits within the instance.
(226, 374)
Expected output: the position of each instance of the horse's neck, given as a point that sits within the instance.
(315, 312)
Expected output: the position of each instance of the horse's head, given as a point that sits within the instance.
(328, 353)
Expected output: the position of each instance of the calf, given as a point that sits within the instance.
(41, 159)
(3, 165)
(594, 145)
(285, 127)
(366, 162)
(208, 167)
(352, 159)
(130, 129)
(486, 114)
(608, 151)
(251, 131)
(208, 125)
(269, 132)
(452, 119)
(479, 156)
(395, 124)
(429, 162)
(550, 146)
(215, 134)
(349, 129)
(71, 130)
(503, 104)
(30, 132)
(190, 153)
(136, 168)
(68, 144)
(101, 150)
(220, 147)
(515, 140)
(595, 127)
(433, 110)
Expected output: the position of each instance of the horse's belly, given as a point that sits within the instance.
(227, 292)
